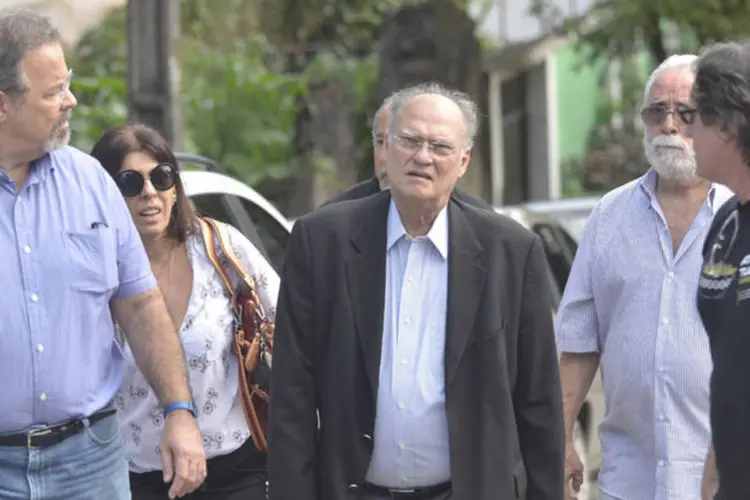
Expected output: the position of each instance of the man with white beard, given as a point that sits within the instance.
(629, 308)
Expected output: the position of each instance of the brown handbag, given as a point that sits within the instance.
(253, 337)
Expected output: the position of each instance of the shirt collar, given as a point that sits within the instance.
(40, 169)
(647, 183)
(438, 233)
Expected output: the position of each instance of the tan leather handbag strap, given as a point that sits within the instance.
(226, 248)
(210, 243)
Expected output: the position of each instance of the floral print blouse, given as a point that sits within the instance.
(207, 335)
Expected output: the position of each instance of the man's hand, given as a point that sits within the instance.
(709, 488)
(182, 455)
(710, 482)
(573, 472)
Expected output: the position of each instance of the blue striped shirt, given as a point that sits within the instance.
(631, 298)
(68, 245)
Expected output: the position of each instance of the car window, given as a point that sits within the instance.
(558, 253)
(273, 234)
(229, 209)
(569, 241)
(211, 205)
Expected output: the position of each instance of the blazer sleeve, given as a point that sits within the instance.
(292, 428)
(537, 394)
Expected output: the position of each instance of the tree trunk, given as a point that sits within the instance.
(654, 39)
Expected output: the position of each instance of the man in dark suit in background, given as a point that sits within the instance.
(419, 327)
(379, 181)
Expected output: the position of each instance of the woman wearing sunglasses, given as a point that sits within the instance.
(144, 168)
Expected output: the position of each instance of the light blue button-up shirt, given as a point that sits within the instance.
(68, 245)
(632, 299)
(410, 446)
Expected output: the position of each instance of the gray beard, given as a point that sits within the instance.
(57, 141)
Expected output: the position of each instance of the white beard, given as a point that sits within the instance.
(672, 158)
(57, 140)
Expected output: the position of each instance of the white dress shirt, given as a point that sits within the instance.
(411, 428)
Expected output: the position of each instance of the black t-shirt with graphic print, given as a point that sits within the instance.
(724, 306)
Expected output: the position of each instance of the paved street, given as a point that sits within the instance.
(589, 489)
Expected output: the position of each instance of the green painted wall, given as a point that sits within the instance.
(577, 98)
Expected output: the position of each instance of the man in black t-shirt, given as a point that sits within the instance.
(721, 137)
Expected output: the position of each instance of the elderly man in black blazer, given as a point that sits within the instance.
(418, 327)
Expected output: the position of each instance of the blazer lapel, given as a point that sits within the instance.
(365, 274)
(466, 273)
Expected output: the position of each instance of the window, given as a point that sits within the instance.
(558, 254)
(229, 209)
(211, 205)
(273, 234)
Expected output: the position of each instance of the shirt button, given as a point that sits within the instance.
(407, 321)
(401, 405)
(670, 274)
(40, 348)
(409, 279)
(404, 361)
(43, 397)
(27, 249)
(402, 446)
(34, 297)
(665, 320)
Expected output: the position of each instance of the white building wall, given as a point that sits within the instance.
(511, 20)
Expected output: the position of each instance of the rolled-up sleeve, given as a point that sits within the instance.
(133, 268)
(576, 324)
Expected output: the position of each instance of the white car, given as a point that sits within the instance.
(559, 224)
(224, 198)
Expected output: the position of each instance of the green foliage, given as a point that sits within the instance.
(343, 26)
(244, 67)
(239, 103)
(613, 28)
(237, 111)
(99, 82)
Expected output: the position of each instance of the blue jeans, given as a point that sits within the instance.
(90, 465)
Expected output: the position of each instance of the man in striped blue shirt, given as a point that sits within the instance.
(629, 308)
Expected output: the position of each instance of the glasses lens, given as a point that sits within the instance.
(130, 182)
(163, 177)
(687, 116)
(654, 115)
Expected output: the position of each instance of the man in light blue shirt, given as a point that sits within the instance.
(71, 261)
(629, 308)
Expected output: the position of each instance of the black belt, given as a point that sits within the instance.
(425, 493)
(48, 436)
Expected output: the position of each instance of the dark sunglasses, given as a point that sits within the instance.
(655, 115)
(131, 182)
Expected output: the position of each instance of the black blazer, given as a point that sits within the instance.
(372, 186)
(503, 398)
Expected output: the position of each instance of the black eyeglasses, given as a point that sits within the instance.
(657, 113)
(131, 182)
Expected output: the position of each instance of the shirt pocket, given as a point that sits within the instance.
(92, 259)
